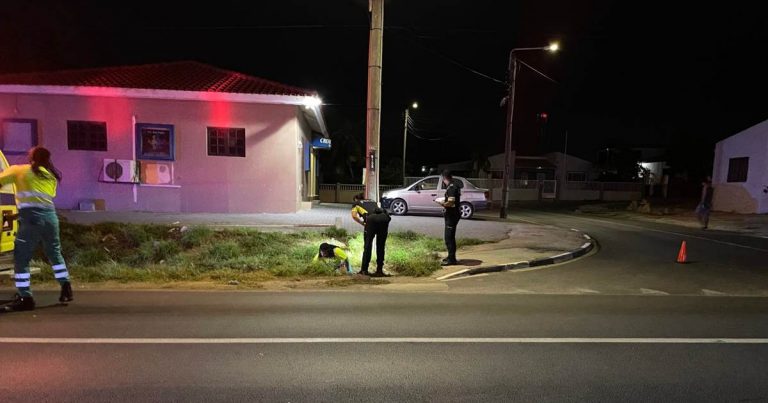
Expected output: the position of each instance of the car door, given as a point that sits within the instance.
(422, 195)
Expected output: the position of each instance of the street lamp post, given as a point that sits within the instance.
(508, 160)
(415, 105)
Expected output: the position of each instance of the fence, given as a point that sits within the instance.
(519, 190)
(343, 193)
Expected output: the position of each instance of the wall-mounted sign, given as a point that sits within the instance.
(321, 142)
(154, 142)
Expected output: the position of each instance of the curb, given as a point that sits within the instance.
(563, 257)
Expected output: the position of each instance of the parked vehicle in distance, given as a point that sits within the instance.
(420, 197)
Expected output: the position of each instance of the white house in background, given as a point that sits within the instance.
(740, 171)
(170, 137)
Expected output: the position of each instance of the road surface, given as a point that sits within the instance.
(347, 346)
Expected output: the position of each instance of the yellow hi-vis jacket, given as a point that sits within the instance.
(32, 190)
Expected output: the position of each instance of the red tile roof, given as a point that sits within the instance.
(182, 76)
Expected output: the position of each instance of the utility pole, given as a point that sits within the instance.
(509, 155)
(373, 119)
(405, 139)
(508, 158)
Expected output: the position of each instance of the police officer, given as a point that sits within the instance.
(36, 184)
(451, 203)
(375, 220)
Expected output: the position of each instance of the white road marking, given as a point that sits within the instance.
(574, 229)
(587, 236)
(649, 291)
(391, 340)
(712, 293)
(656, 230)
(585, 246)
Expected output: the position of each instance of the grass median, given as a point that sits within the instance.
(164, 254)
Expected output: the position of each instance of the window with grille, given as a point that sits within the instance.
(226, 142)
(737, 169)
(83, 135)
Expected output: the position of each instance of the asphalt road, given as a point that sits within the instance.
(256, 346)
(639, 258)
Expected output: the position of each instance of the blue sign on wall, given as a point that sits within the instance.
(321, 142)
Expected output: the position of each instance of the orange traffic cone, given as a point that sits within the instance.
(682, 256)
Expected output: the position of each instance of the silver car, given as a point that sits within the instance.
(420, 197)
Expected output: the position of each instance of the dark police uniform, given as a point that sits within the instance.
(376, 226)
(452, 217)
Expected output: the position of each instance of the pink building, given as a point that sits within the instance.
(172, 137)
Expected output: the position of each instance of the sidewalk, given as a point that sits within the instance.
(753, 224)
(527, 242)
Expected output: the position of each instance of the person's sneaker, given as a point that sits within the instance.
(448, 262)
(380, 274)
(66, 293)
(20, 304)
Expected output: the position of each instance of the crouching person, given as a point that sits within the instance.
(328, 251)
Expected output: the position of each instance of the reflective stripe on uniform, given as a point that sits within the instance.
(32, 193)
(23, 284)
(22, 276)
(60, 271)
(36, 205)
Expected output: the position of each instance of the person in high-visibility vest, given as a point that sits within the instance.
(375, 222)
(329, 251)
(36, 184)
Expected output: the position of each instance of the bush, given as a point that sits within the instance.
(154, 252)
(226, 250)
(196, 236)
(90, 257)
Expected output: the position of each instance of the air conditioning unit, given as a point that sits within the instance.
(119, 171)
(156, 173)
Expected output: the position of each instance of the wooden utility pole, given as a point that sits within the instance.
(373, 122)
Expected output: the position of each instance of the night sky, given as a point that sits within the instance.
(629, 74)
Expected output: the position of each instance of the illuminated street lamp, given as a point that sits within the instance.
(414, 105)
(508, 163)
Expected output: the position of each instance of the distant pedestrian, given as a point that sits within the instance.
(375, 222)
(705, 204)
(36, 185)
(451, 203)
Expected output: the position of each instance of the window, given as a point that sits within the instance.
(737, 169)
(427, 184)
(227, 142)
(82, 135)
(576, 177)
(18, 135)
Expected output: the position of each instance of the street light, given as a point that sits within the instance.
(508, 163)
(414, 105)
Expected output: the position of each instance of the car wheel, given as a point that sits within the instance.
(399, 207)
(466, 210)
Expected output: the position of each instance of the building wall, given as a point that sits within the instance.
(263, 181)
(749, 196)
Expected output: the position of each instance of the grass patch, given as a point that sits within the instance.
(160, 253)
